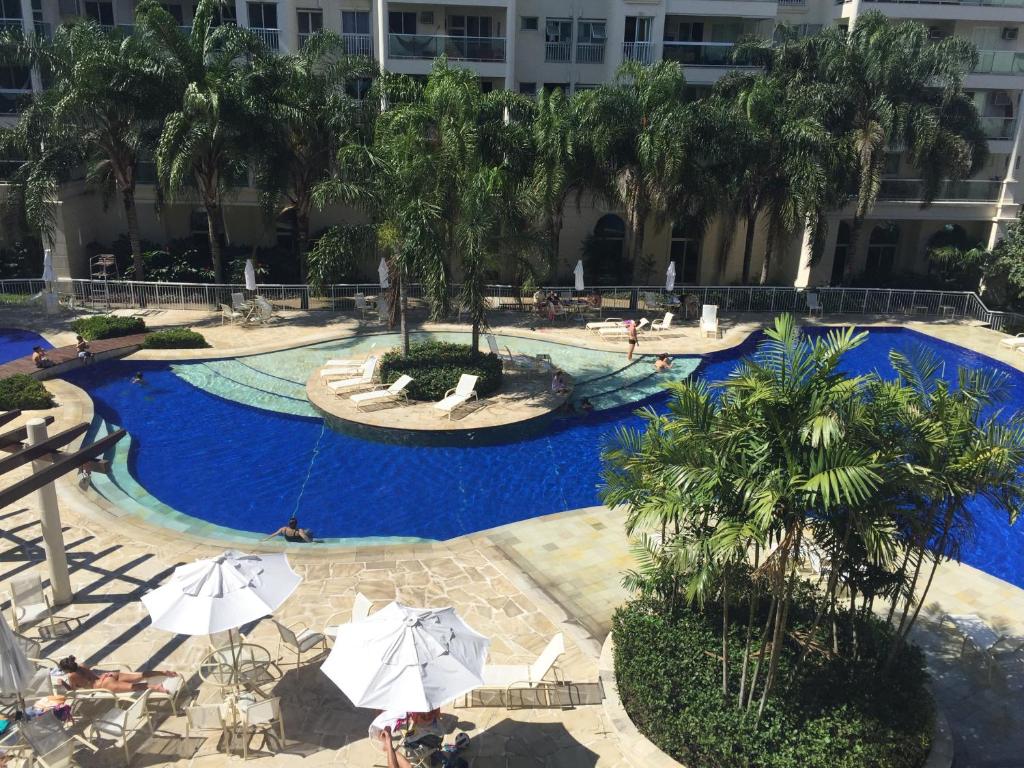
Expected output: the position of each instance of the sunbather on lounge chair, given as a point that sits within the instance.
(80, 676)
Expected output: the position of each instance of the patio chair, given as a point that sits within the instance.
(361, 304)
(31, 605)
(238, 302)
(300, 639)
(510, 677)
(208, 718)
(263, 718)
(51, 745)
(980, 637)
(384, 394)
(1013, 342)
(458, 395)
(814, 304)
(361, 608)
(621, 330)
(120, 725)
(609, 322)
(660, 326)
(264, 311)
(230, 315)
(709, 320)
(364, 380)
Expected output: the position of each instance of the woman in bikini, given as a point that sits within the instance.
(80, 676)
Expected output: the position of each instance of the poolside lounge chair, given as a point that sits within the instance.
(384, 393)
(525, 362)
(620, 330)
(349, 362)
(365, 379)
(458, 395)
(980, 637)
(709, 320)
(608, 322)
(1013, 342)
(523, 677)
(813, 304)
(660, 326)
(51, 745)
(30, 605)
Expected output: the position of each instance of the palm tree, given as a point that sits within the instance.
(202, 147)
(102, 107)
(556, 174)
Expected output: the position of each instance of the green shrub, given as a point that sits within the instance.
(835, 712)
(108, 326)
(175, 338)
(435, 367)
(21, 391)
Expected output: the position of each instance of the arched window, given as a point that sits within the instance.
(602, 252)
(840, 254)
(610, 227)
(882, 250)
(685, 252)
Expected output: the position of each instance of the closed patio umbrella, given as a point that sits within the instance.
(48, 276)
(15, 669)
(382, 273)
(250, 276)
(408, 659)
(577, 274)
(670, 276)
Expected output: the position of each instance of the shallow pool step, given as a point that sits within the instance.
(643, 383)
(245, 384)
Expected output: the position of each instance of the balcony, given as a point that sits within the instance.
(909, 190)
(998, 128)
(987, 3)
(642, 52)
(270, 37)
(590, 53)
(999, 63)
(455, 48)
(792, 3)
(357, 44)
(557, 52)
(701, 54)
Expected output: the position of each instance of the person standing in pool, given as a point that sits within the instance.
(292, 532)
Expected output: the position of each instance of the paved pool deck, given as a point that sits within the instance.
(517, 584)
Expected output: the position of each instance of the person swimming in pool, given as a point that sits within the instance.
(137, 378)
(292, 532)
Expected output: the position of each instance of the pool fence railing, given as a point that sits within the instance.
(731, 299)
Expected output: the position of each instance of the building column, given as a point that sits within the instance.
(242, 14)
(49, 520)
(379, 19)
(1009, 179)
(510, 45)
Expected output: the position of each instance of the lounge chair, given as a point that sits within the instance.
(620, 330)
(384, 394)
(709, 320)
(1013, 342)
(458, 395)
(516, 361)
(51, 745)
(608, 322)
(176, 691)
(365, 379)
(660, 326)
(980, 637)
(348, 362)
(30, 605)
(813, 304)
(524, 677)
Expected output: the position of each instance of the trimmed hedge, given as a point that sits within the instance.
(22, 392)
(435, 367)
(175, 338)
(836, 712)
(108, 326)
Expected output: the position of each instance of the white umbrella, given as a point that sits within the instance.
(409, 659)
(48, 276)
(15, 669)
(670, 276)
(577, 273)
(382, 273)
(250, 276)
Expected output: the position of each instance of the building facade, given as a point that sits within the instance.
(527, 45)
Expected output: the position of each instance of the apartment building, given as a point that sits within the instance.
(527, 45)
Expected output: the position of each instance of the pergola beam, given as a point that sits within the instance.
(15, 437)
(8, 416)
(44, 449)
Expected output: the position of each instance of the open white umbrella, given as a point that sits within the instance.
(382, 273)
(409, 659)
(670, 276)
(250, 276)
(15, 669)
(577, 274)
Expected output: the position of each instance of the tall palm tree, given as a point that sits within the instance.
(202, 147)
(556, 173)
(103, 106)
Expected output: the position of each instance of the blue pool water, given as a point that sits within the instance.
(15, 343)
(248, 469)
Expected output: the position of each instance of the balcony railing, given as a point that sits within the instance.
(270, 37)
(996, 3)
(642, 52)
(791, 3)
(999, 63)
(455, 48)
(702, 54)
(998, 127)
(590, 53)
(557, 52)
(358, 44)
(909, 190)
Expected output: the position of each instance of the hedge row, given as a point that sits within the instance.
(22, 392)
(435, 367)
(175, 338)
(108, 326)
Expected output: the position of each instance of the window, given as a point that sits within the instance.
(222, 14)
(696, 92)
(882, 250)
(557, 40)
(197, 223)
(590, 41)
(638, 29)
(685, 32)
(401, 23)
(355, 22)
(486, 86)
(840, 254)
(263, 15)
(892, 164)
(529, 23)
(176, 11)
(685, 252)
(100, 12)
(15, 78)
(37, 12)
(10, 9)
(358, 88)
(310, 22)
(469, 26)
(563, 87)
(528, 89)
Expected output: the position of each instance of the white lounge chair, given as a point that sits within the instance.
(382, 395)
(349, 362)
(51, 745)
(510, 677)
(660, 326)
(30, 604)
(516, 361)
(365, 379)
(608, 322)
(458, 395)
(1013, 342)
(709, 320)
(620, 330)
(977, 634)
(814, 304)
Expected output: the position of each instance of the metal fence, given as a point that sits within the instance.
(124, 294)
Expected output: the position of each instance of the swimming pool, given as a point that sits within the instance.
(200, 457)
(15, 343)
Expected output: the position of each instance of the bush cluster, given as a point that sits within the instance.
(108, 326)
(175, 338)
(22, 392)
(435, 367)
(834, 712)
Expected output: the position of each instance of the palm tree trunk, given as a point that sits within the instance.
(748, 247)
(301, 246)
(131, 216)
(554, 233)
(403, 309)
(214, 227)
(725, 636)
(767, 263)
